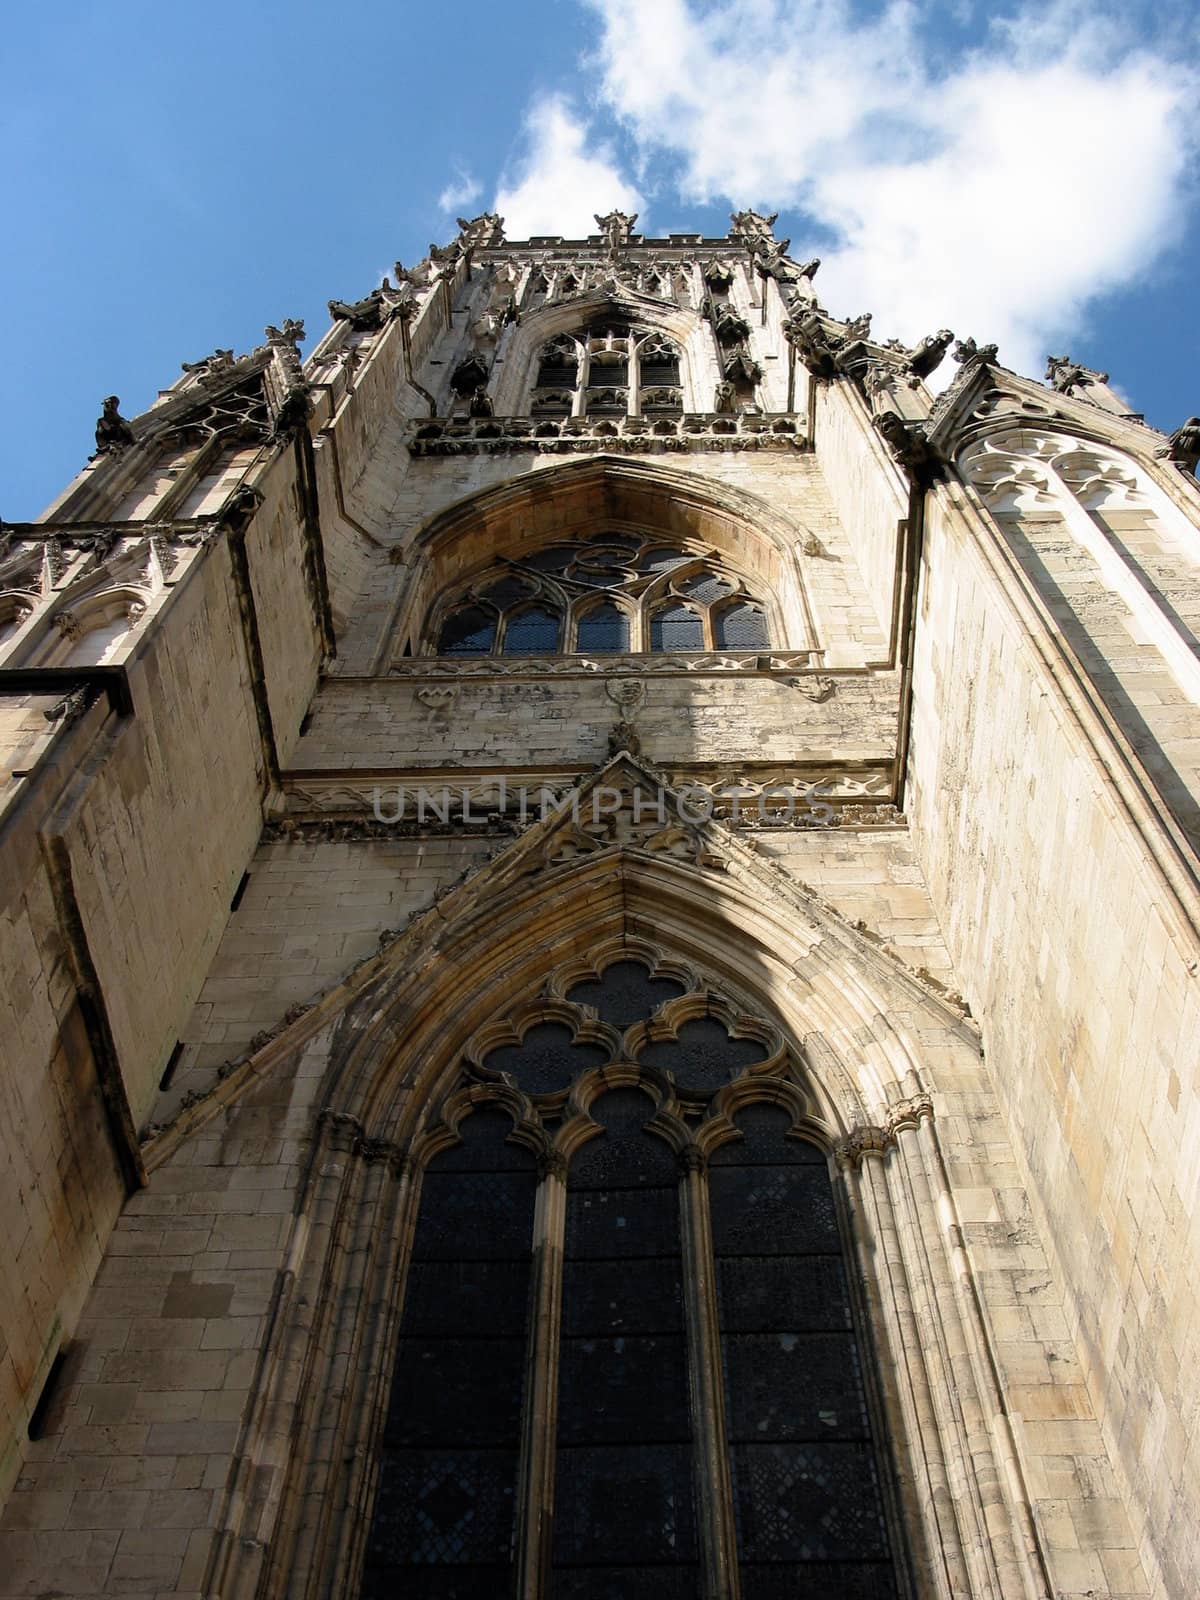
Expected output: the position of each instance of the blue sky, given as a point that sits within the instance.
(175, 179)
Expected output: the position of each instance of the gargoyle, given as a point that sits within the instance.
(113, 433)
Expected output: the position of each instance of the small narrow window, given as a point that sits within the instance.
(532, 632)
(469, 632)
(604, 628)
(741, 627)
(676, 628)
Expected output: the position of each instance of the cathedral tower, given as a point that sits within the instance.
(600, 958)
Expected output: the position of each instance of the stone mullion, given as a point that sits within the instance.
(714, 1487)
(925, 1472)
(539, 1417)
(1018, 1552)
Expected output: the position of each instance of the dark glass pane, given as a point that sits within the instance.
(624, 1504)
(623, 1496)
(807, 1502)
(805, 1481)
(706, 586)
(658, 370)
(546, 1060)
(630, 1295)
(604, 628)
(773, 1211)
(763, 1141)
(803, 1293)
(676, 628)
(507, 592)
(555, 559)
(794, 1386)
(704, 1056)
(662, 560)
(625, 993)
(444, 1524)
(557, 374)
(533, 632)
(469, 632)
(741, 628)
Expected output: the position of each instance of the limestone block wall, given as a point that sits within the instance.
(565, 721)
(128, 1492)
(149, 818)
(839, 611)
(24, 734)
(312, 909)
(1051, 881)
(867, 490)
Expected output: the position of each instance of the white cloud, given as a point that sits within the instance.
(464, 191)
(560, 184)
(996, 195)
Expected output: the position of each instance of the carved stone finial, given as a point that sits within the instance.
(616, 226)
(487, 229)
(969, 354)
(858, 328)
(291, 333)
(113, 433)
(751, 226)
(1183, 446)
(1065, 375)
(211, 366)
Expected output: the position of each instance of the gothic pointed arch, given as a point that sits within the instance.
(481, 537)
(577, 314)
(497, 999)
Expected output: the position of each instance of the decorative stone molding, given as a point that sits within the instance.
(815, 687)
(694, 431)
(653, 665)
(878, 1138)
(68, 625)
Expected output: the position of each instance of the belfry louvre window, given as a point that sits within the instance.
(608, 370)
(656, 598)
(627, 1357)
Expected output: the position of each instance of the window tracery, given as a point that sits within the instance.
(617, 592)
(612, 370)
(695, 1251)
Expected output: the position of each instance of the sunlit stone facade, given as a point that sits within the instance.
(600, 959)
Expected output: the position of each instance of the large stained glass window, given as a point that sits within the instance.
(546, 1424)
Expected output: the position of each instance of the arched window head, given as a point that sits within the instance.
(532, 631)
(558, 364)
(608, 369)
(661, 597)
(94, 632)
(676, 627)
(15, 612)
(605, 628)
(469, 631)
